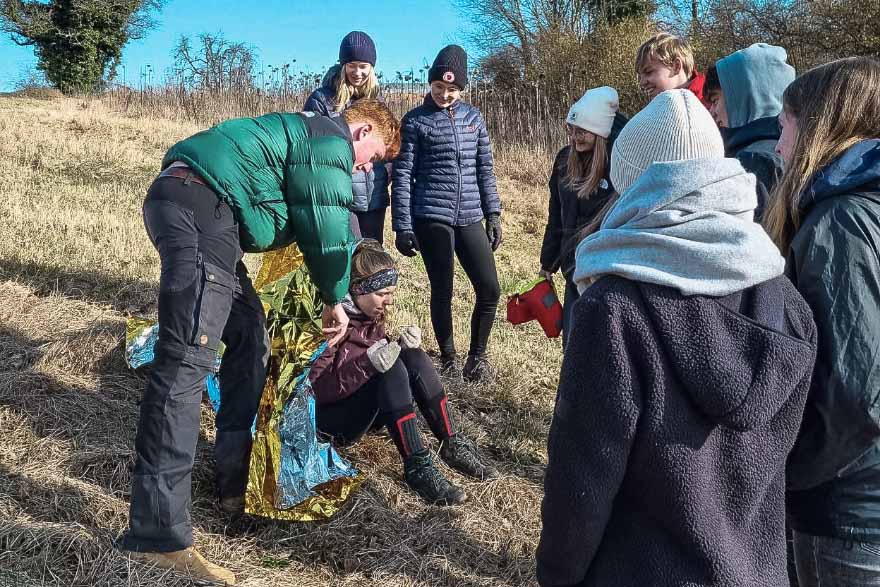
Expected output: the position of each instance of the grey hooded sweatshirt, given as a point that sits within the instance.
(686, 225)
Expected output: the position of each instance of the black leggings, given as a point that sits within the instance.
(439, 244)
(387, 400)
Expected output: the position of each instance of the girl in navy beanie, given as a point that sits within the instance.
(350, 80)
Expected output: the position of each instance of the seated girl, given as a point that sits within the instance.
(366, 380)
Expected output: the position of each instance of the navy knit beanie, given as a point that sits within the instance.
(450, 66)
(357, 46)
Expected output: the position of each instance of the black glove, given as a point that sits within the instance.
(406, 243)
(493, 230)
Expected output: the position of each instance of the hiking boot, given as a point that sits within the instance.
(449, 367)
(462, 455)
(187, 561)
(477, 370)
(425, 479)
(234, 506)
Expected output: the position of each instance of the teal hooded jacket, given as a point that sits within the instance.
(753, 81)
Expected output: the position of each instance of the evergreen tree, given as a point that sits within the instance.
(78, 42)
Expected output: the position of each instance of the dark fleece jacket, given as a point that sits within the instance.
(667, 448)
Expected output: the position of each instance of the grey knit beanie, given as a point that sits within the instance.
(675, 126)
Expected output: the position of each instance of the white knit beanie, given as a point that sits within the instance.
(675, 126)
(595, 111)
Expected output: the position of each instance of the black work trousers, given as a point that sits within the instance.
(439, 245)
(205, 297)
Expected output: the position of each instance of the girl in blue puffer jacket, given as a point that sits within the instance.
(444, 185)
(353, 79)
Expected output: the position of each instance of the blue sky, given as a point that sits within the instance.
(405, 32)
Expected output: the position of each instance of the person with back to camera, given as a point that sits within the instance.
(684, 377)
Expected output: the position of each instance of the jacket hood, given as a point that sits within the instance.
(753, 80)
(761, 129)
(857, 170)
(328, 82)
(620, 121)
(741, 357)
(688, 225)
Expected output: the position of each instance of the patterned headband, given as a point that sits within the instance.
(374, 282)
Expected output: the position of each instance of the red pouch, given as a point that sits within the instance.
(536, 301)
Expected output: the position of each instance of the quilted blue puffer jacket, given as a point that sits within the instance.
(444, 170)
(369, 190)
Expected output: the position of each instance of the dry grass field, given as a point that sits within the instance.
(75, 263)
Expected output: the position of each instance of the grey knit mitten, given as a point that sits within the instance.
(383, 354)
(410, 337)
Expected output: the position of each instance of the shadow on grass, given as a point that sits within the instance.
(126, 296)
(67, 494)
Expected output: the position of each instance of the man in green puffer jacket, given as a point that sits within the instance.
(245, 185)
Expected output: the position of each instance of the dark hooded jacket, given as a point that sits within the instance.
(344, 368)
(753, 81)
(673, 421)
(369, 189)
(568, 214)
(834, 261)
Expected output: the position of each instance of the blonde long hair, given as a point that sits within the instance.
(585, 171)
(836, 106)
(346, 92)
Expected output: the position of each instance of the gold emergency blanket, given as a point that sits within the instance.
(293, 320)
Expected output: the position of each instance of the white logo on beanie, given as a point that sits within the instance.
(449, 77)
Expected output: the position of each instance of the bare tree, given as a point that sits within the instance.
(214, 63)
(524, 29)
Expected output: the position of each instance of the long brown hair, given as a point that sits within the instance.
(585, 171)
(836, 106)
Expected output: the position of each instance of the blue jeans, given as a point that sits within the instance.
(831, 562)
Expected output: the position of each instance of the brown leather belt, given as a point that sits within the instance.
(184, 173)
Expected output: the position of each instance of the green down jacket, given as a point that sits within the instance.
(287, 178)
